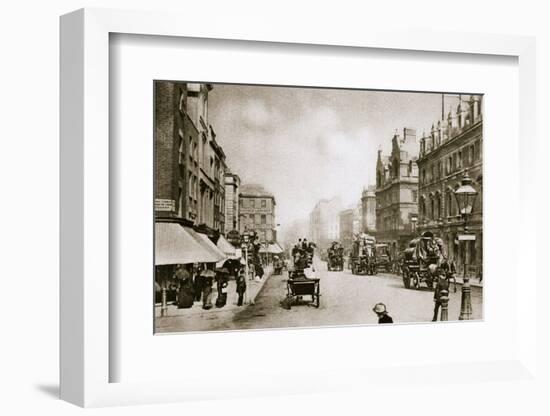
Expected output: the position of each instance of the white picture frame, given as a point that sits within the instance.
(85, 259)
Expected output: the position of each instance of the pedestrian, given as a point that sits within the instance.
(241, 287)
(186, 293)
(383, 317)
(222, 281)
(198, 284)
(208, 279)
(441, 288)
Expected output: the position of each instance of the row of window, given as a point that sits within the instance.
(253, 203)
(465, 157)
(435, 207)
(262, 219)
(394, 196)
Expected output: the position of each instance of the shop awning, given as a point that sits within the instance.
(175, 244)
(274, 249)
(227, 248)
(208, 245)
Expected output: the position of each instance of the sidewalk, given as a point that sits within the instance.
(253, 287)
(474, 282)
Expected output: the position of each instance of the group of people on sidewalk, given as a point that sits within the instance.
(193, 284)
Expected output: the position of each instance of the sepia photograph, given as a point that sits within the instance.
(300, 207)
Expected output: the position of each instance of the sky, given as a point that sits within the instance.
(305, 144)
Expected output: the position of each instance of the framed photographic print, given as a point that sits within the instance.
(257, 205)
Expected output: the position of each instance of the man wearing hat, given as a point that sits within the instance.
(383, 317)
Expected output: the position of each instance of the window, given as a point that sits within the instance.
(264, 203)
(263, 219)
(432, 207)
(181, 152)
(180, 202)
(414, 196)
(182, 101)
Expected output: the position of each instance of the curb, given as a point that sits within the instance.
(262, 282)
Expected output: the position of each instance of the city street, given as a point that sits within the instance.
(346, 299)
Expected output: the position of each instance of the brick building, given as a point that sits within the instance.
(189, 164)
(211, 161)
(397, 191)
(257, 212)
(176, 154)
(453, 148)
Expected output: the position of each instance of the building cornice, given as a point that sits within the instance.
(432, 154)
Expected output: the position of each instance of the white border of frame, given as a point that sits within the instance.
(84, 219)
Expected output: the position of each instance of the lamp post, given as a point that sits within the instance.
(414, 220)
(465, 198)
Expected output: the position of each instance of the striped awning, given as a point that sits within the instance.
(209, 245)
(175, 244)
(274, 249)
(227, 248)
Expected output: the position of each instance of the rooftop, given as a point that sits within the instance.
(255, 190)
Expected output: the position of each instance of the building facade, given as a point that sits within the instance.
(211, 161)
(189, 164)
(257, 212)
(232, 186)
(368, 210)
(324, 222)
(176, 154)
(397, 191)
(452, 149)
(346, 228)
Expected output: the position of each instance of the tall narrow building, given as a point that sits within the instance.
(397, 191)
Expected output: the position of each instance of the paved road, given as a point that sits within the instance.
(346, 300)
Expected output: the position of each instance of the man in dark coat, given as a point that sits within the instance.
(383, 317)
(241, 287)
(186, 293)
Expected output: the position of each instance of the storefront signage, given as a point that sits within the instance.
(165, 205)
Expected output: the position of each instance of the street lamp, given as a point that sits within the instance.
(414, 220)
(465, 198)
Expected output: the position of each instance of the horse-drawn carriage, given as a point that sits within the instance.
(383, 257)
(299, 285)
(422, 252)
(301, 281)
(335, 261)
(363, 255)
